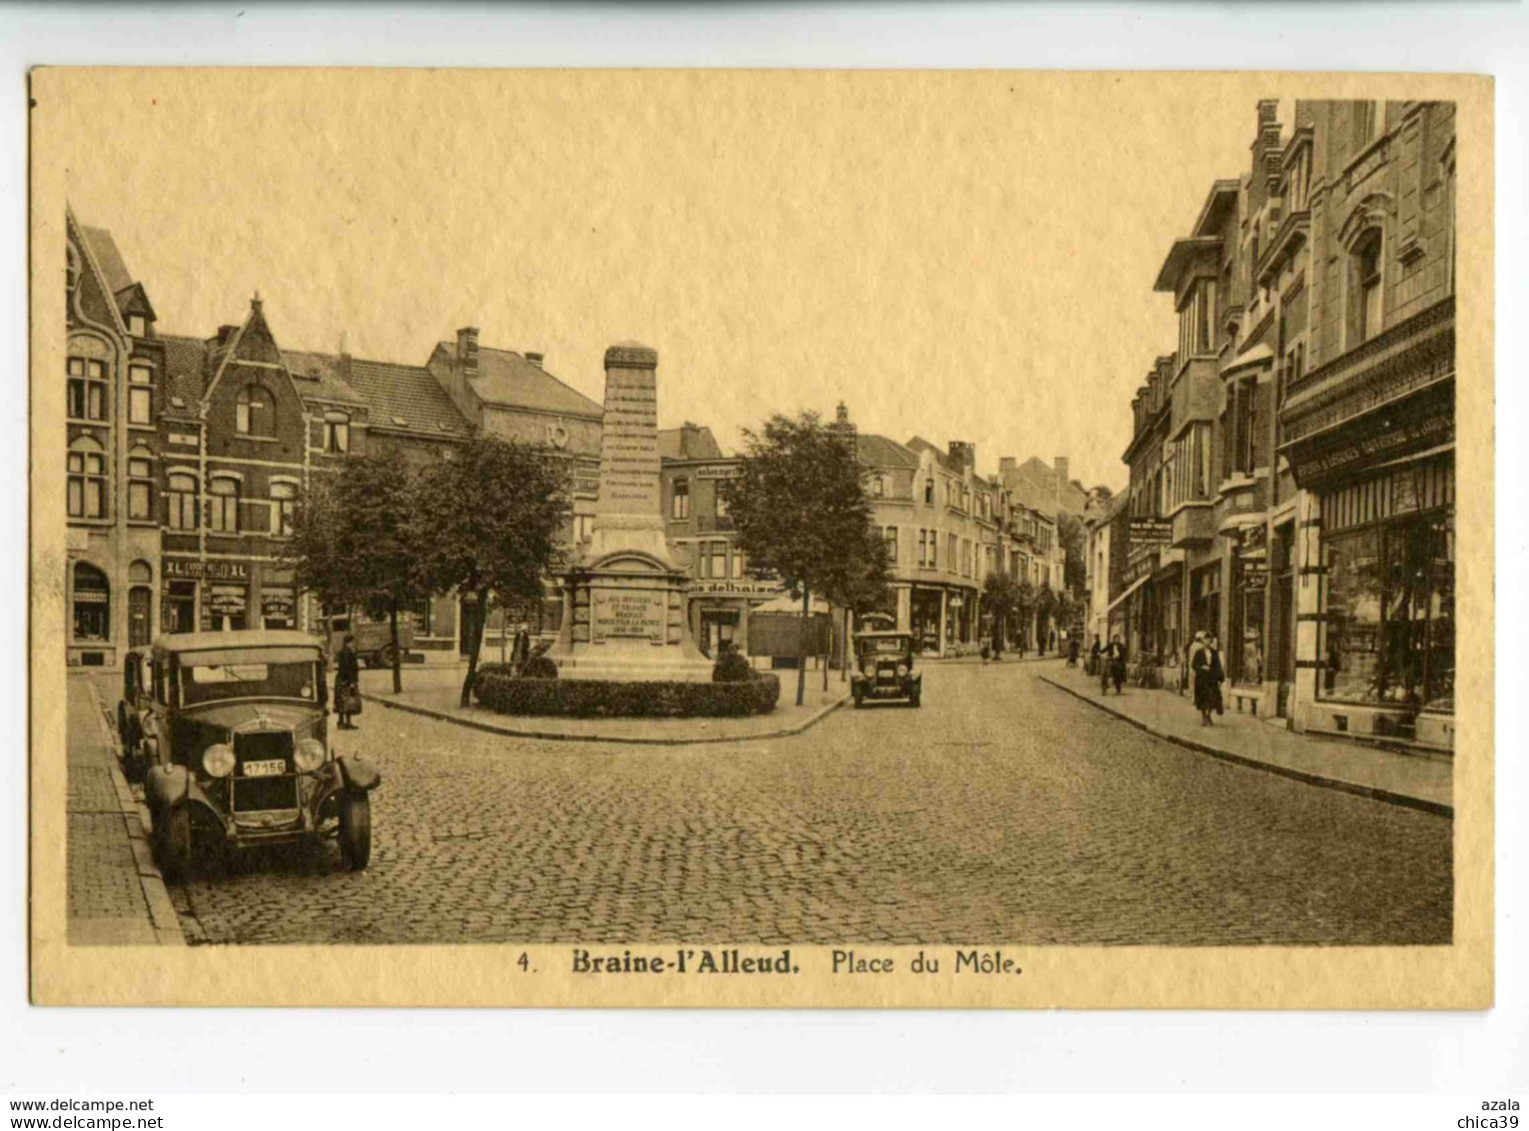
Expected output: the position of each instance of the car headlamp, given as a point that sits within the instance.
(218, 760)
(902, 670)
(309, 755)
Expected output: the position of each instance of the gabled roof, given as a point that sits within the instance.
(317, 377)
(878, 451)
(507, 379)
(185, 372)
(407, 393)
(919, 444)
(693, 441)
(108, 258)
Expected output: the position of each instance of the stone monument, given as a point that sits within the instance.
(624, 615)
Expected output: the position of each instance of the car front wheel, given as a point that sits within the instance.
(173, 830)
(355, 830)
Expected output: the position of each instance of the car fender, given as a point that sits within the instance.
(167, 786)
(359, 774)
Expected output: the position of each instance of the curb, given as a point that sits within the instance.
(552, 736)
(166, 923)
(1374, 793)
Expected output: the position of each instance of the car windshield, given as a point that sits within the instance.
(889, 644)
(207, 683)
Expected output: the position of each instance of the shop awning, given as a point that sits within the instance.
(1132, 588)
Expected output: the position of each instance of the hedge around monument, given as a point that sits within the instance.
(608, 699)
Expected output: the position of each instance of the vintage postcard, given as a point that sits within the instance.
(761, 539)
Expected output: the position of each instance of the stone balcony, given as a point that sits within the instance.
(1194, 524)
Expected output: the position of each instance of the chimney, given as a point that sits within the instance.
(963, 455)
(535, 359)
(467, 351)
(841, 415)
(1061, 470)
(1007, 464)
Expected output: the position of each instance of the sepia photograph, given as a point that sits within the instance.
(848, 534)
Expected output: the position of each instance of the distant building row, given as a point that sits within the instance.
(1292, 461)
(187, 459)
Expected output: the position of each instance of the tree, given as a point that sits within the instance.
(799, 507)
(1003, 596)
(857, 582)
(1073, 536)
(352, 544)
(490, 520)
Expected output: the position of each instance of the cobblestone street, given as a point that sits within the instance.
(1004, 810)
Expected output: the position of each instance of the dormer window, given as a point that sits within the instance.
(255, 412)
(137, 325)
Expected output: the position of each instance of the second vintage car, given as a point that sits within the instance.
(234, 734)
(884, 668)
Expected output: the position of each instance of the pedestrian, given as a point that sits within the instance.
(1217, 672)
(520, 651)
(347, 682)
(1113, 670)
(1093, 656)
(1200, 665)
(1072, 651)
(986, 651)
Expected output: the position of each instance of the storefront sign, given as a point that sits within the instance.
(1151, 532)
(227, 600)
(628, 614)
(1139, 568)
(278, 605)
(726, 471)
(736, 588)
(1255, 575)
(212, 571)
(1392, 438)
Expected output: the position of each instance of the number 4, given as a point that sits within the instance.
(523, 962)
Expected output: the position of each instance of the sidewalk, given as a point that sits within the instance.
(116, 895)
(436, 691)
(1400, 779)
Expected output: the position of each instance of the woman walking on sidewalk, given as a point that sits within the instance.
(1205, 663)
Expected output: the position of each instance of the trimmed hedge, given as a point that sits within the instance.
(598, 698)
(731, 667)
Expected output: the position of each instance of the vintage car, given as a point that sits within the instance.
(235, 737)
(373, 639)
(132, 709)
(884, 668)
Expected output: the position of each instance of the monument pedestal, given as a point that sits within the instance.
(624, 612)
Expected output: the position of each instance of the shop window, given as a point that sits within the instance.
(86, 489)
(89, 393)
(255, 412)
(140, 394)
(223, 505)
(92, 603)
(181, 499)
(140, 488)
(336, 432)
(1389, 600)
(679, 501)
(283, 508)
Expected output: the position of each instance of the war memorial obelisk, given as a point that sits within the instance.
(624, 603)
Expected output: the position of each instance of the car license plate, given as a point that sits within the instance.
(265, 769)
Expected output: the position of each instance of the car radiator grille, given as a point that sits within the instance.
(276, 792)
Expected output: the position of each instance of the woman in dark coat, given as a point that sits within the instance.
(1205, 663)
(347, 679)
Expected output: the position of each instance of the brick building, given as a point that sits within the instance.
(114, 389)
(1292, 466)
